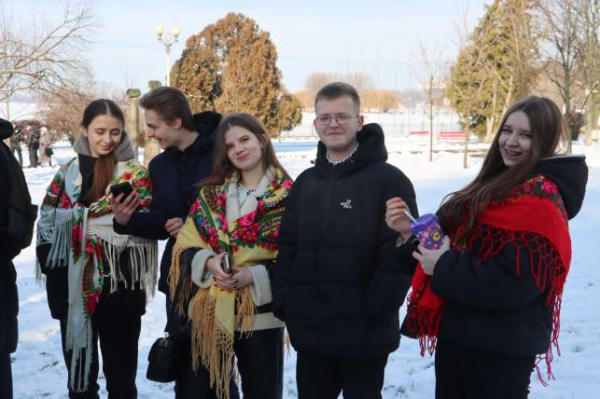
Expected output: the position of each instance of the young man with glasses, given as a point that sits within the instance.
(337, 285)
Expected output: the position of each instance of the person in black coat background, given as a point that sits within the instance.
(9, 301)
(337, 286)
(187, 141)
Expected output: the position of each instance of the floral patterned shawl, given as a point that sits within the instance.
(83, 240)
(215, 314)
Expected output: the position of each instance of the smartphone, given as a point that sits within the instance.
(225, 264)
(121, 188)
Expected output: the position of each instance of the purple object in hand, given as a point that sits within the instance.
(427, 229)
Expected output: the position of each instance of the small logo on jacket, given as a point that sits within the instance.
(346, 204)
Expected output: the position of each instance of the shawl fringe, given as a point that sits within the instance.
(211, 341)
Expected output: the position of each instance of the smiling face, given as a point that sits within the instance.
(339, 140)
(104, 134)
(244, 149)
(515, 139)
(167, 135)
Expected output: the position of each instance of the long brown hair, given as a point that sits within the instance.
(495, 180)
(222, 166)
(105, 164)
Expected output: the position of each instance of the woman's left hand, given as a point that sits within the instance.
(242, 275)
(429, 257)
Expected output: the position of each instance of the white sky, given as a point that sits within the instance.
(379, 37)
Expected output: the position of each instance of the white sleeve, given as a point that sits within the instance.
(261, 288)
(200, 275)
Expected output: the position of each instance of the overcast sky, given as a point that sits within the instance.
(379, 37)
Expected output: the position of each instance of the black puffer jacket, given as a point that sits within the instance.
(336, 283)
(492, 307)
(9, 302)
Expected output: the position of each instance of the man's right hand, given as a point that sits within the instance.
(123, 209)
(396, 217)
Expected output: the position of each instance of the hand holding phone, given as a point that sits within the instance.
(121, 188)
(225, 263)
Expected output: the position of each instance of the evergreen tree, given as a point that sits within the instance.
(230, 66)
(500, 62)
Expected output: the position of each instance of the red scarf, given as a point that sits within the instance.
(533, 218)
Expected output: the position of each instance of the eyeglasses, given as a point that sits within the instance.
(340, 119)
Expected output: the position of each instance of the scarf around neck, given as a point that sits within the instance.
(506, 221)
(249, 236)
(82, 239)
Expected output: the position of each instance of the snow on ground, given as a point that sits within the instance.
(38, 366)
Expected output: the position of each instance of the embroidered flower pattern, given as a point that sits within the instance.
(257, 228)
(93, 262)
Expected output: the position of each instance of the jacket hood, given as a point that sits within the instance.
(570, 174)
(371, 149)
(206, 124)
(123, 152)
(6, 129)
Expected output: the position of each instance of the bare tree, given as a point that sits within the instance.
(39, 56)
(560, 27)
(431, 75)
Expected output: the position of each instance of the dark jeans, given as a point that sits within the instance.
(33, 159)
(19, 155)
(463, 373)
(260, 363)
(196, 385)
(6, 388)
(326, 377)
(119, 346)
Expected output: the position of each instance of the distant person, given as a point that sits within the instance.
(15, 143)
(488, 301)
(9, 303)
(45, 147)
(33, 144)
(337, 285)
(96, 280)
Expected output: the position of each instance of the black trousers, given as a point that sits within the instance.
(33, 159)
(463, 373)
(6, 388)
(119, 346)
(326, 377)
(259, 362)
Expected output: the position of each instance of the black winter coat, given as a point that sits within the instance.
(174, 175)
(9, 301)
(491, 307)
(337, 286)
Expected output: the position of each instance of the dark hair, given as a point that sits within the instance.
(336, 90)
(170, 104)
(222, 166)
(495, 180)
(105, 164)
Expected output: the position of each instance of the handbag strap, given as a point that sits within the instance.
(182, 275)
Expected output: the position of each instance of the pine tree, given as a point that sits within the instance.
(501, 63)
(230, 66)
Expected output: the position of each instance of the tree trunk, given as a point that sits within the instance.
(132, 118)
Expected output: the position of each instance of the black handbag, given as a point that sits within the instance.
(165, 359)
(48, 151)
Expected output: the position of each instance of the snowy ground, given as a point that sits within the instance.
(39, 371)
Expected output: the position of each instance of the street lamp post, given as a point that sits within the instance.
(168, 39)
